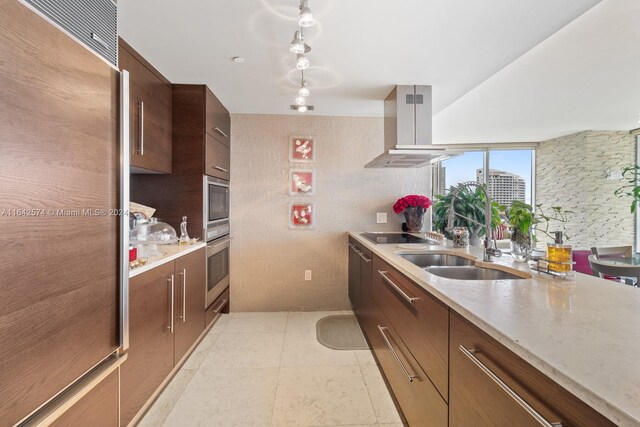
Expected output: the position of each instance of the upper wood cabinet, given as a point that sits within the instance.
(190, 273)
(150, 113)
(201, 132)
(218, 120)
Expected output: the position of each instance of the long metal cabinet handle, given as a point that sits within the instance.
(364, 257)
(395, 287)
(221, 132)
(184, 295)
(124, 205)
(520, 401)
(141, 145)
(222, 304)
(355, 248)
(172, 303)
(410, 377)
(220, 168)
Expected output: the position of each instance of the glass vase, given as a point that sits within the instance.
(414, 218)
(521, 245)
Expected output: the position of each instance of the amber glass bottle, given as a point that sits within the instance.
(559, 253)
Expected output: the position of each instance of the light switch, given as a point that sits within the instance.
(381, 217)
(307, 275)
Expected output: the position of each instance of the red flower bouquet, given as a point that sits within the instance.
(412, 200)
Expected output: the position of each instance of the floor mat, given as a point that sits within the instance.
(340, 332)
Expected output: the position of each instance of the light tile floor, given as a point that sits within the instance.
(267, 369)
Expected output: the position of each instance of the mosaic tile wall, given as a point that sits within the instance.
(571, 172)
(267, 258)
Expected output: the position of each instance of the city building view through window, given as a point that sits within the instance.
(510, 174)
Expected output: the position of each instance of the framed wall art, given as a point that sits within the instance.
(302, 215)
(302, 181)
(302, 150)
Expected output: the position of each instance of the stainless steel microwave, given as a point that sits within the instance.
(216, 208)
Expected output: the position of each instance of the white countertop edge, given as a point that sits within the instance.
(181, 251)
(591, 397)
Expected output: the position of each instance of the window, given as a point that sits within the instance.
(510, 173)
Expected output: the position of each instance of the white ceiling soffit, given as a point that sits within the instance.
(361, 48)
(586, 76)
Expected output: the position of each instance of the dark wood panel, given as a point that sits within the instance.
(423, 325)
(419, 400)
(476, 400)
(220, 305)
(173, 196)
(58, 145)
(218, 159)
(191, 285)
(354, 279)
(150, 354)
(98, 408)
(217, 116)
(156, 117)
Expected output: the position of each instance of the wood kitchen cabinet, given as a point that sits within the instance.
(150, 354)
(218, 120)
(150, 113)
(420, 319)
(167, 316)
(190, 273)
(217, 158)
(98, 408)
(492, 386)
(354, 277)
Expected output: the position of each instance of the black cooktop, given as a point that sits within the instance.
(384, 238)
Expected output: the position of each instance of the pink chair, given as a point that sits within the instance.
(581, 259)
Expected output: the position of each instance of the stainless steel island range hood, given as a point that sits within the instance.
(407, 130)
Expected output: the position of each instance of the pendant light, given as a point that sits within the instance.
(304, 90)
(302, 62)
(297, 44)
(300, 100)
(305, 19)
(302, 108)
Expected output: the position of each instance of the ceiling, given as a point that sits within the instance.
(501, 70)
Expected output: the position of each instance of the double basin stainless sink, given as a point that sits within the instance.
(455, 267)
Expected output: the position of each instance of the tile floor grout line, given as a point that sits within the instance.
(368, 390)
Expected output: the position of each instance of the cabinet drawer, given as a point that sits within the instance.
(218, 161)
(492, 386)
(219, 306)
(421, 321)
(218, 121)
(419, 400)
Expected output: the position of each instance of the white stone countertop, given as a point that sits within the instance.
(583, 332)
(170, 252)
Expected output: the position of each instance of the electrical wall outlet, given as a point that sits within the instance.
(381, 217)
(307, 275)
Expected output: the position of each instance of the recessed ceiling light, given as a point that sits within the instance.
(238, 59)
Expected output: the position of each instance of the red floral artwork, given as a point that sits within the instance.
(411, 200)
(302, 182)
(302, 214)
(302, 150)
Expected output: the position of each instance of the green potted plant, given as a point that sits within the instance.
(523, 219)
(631, 187)
(469, 203)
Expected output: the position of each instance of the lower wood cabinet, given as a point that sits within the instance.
(150, 354)
(166, 317)
(98, 408)
(419, 400)
(190, 273)
(492, 386)
(219, 306)
(420, 319)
